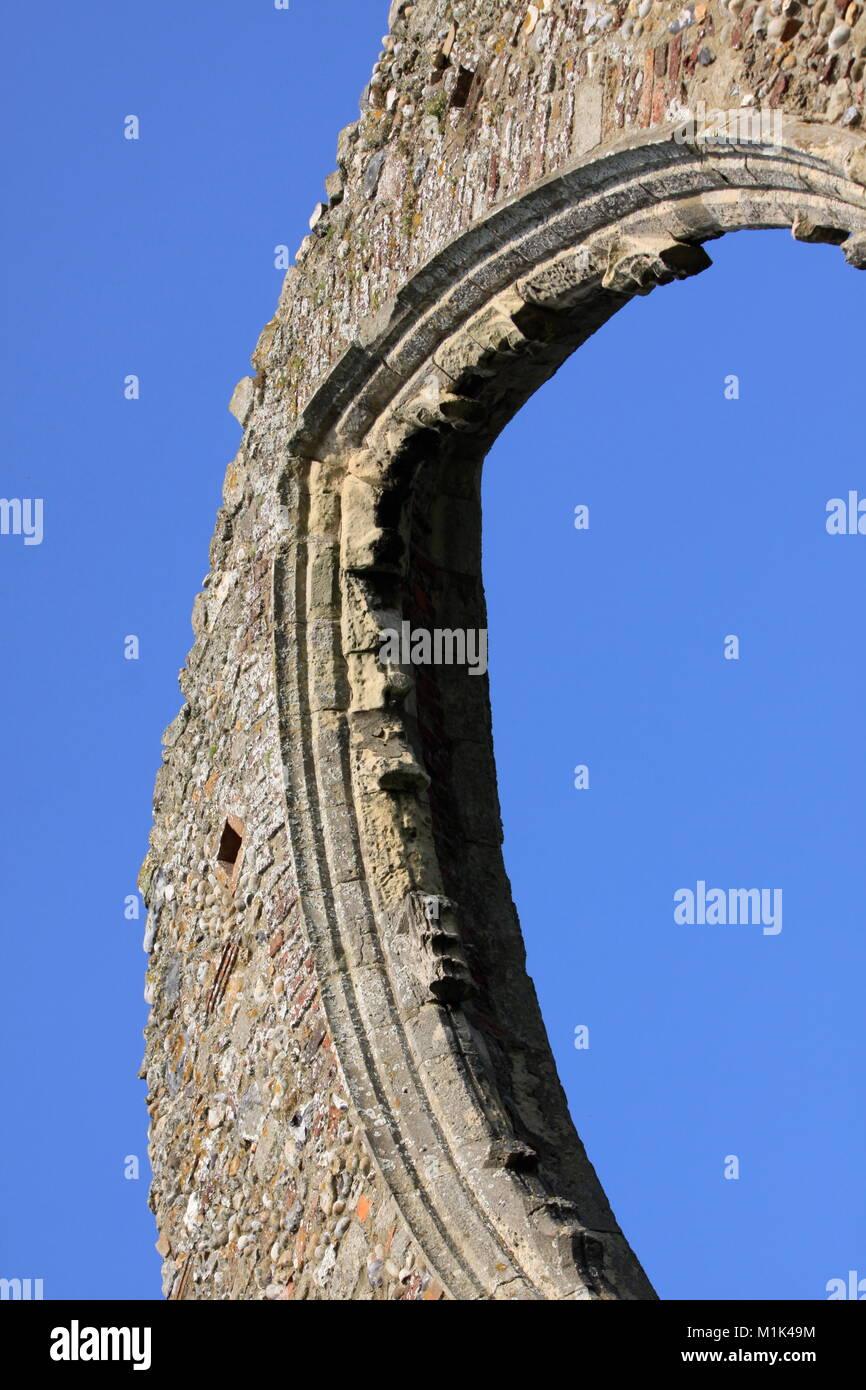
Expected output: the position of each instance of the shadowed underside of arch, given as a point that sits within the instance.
(344, 1039)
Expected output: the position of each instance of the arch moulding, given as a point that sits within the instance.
(351, 1089)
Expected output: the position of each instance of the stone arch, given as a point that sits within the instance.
(373, 896)
(407, 761)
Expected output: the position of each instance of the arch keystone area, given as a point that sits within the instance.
(351, 1091)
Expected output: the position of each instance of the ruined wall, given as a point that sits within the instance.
(289, 1144)
(470, 103)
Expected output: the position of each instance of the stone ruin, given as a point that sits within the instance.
(350, 1087)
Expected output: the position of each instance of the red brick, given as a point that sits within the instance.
(675, 56)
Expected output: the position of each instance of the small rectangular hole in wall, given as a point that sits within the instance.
(230, 844)
(460, 92)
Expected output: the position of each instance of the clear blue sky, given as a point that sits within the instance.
(706, 518)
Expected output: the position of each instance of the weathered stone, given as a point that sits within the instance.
(806, 230)
(855, 251)
(637, 269)
(242, 399)
(372, 174)
(334, 186)
(350, 1087)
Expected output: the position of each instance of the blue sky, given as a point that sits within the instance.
(706, 518)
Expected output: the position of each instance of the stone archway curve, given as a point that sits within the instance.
(390, 780)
